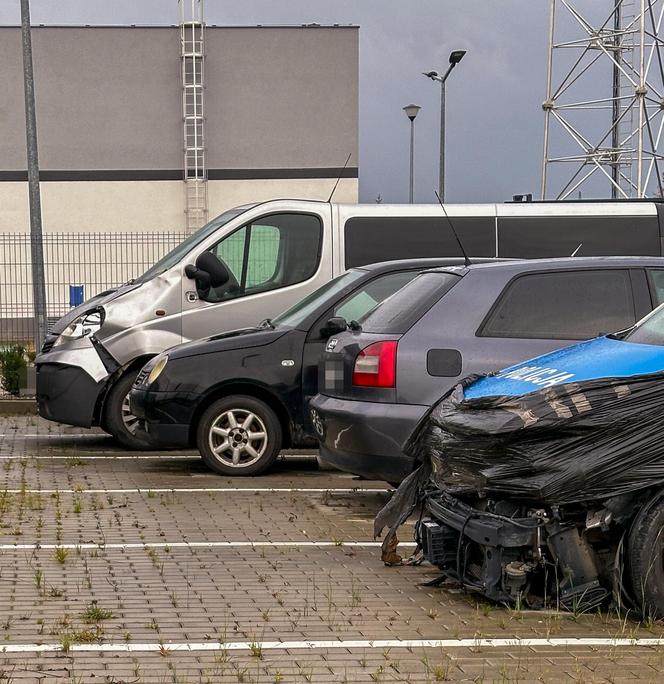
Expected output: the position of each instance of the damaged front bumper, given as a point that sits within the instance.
(71, 381)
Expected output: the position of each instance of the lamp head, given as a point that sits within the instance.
(456, 56)
(411, 111)
(431, 74)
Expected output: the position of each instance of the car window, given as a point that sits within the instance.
(650, 330)
(175, 255)
(263, 258)
(298, 313)
(273, 252)
(231, 250)
(657, 281)
(372, 293)
(565, 305)
(399, 313)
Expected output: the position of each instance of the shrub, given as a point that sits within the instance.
(12, 368)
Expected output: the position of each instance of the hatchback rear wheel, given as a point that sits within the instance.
(239, 435)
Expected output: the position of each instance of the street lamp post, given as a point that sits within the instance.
(34, 197)
(411, 112)
(455, 57)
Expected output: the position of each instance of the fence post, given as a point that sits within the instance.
(36, 243)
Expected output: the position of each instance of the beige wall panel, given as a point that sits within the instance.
(146, 206)
(14, 207)
(223, 195)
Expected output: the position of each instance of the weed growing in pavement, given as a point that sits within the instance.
(95, 503)
(39, 580)
(355, 595)
(240, 674)
(93, 614)
(377, 674)
(80, 636)
(61, 554)
(256, 650)
(75, 461)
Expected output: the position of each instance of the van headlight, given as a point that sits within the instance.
(85, 325)
(157, 369)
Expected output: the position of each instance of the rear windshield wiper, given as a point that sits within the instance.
(267, 323)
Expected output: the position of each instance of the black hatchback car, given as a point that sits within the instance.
(380, 379)
(240, 396)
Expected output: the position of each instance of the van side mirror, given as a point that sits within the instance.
(208, 272)
(334, 326)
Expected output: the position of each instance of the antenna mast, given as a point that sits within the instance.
(604, 106)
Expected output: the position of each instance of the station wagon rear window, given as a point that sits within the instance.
(404, 308)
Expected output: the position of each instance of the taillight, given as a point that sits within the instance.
(376, 365)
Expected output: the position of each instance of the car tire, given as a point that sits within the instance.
(646, 555)
(118, 420)
(239, 435)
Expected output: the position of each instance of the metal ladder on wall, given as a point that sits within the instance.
(192, 57)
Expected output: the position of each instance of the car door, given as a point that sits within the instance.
(353, 307)
(273, 261)
(538, 312)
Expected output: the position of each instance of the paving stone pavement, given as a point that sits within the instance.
(160, 610)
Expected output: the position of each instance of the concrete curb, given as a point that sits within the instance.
(18, 407)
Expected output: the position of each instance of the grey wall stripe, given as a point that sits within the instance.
(176, 174)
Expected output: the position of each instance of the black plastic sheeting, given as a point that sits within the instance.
(564, 444)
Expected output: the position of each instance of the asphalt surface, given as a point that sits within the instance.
(124, 567)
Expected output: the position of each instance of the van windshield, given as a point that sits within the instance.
(318, 299)
(175, 255)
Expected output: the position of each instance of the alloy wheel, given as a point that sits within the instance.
(238, 438)
(129, 420)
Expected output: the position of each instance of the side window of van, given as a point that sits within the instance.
(563, 305)
(273, 252)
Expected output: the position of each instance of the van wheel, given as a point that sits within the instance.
(646, 561)
(239, 436)
(118, 418)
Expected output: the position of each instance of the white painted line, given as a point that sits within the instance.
(36, 435)
(192, 545)
(110, 457)
(351, 644)
(190, 490)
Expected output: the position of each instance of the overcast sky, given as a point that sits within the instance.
(494, 115)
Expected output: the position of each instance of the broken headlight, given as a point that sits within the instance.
(85, 325)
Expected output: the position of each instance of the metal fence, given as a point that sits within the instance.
(77, 266)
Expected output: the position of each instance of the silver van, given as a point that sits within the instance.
(256, 260)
